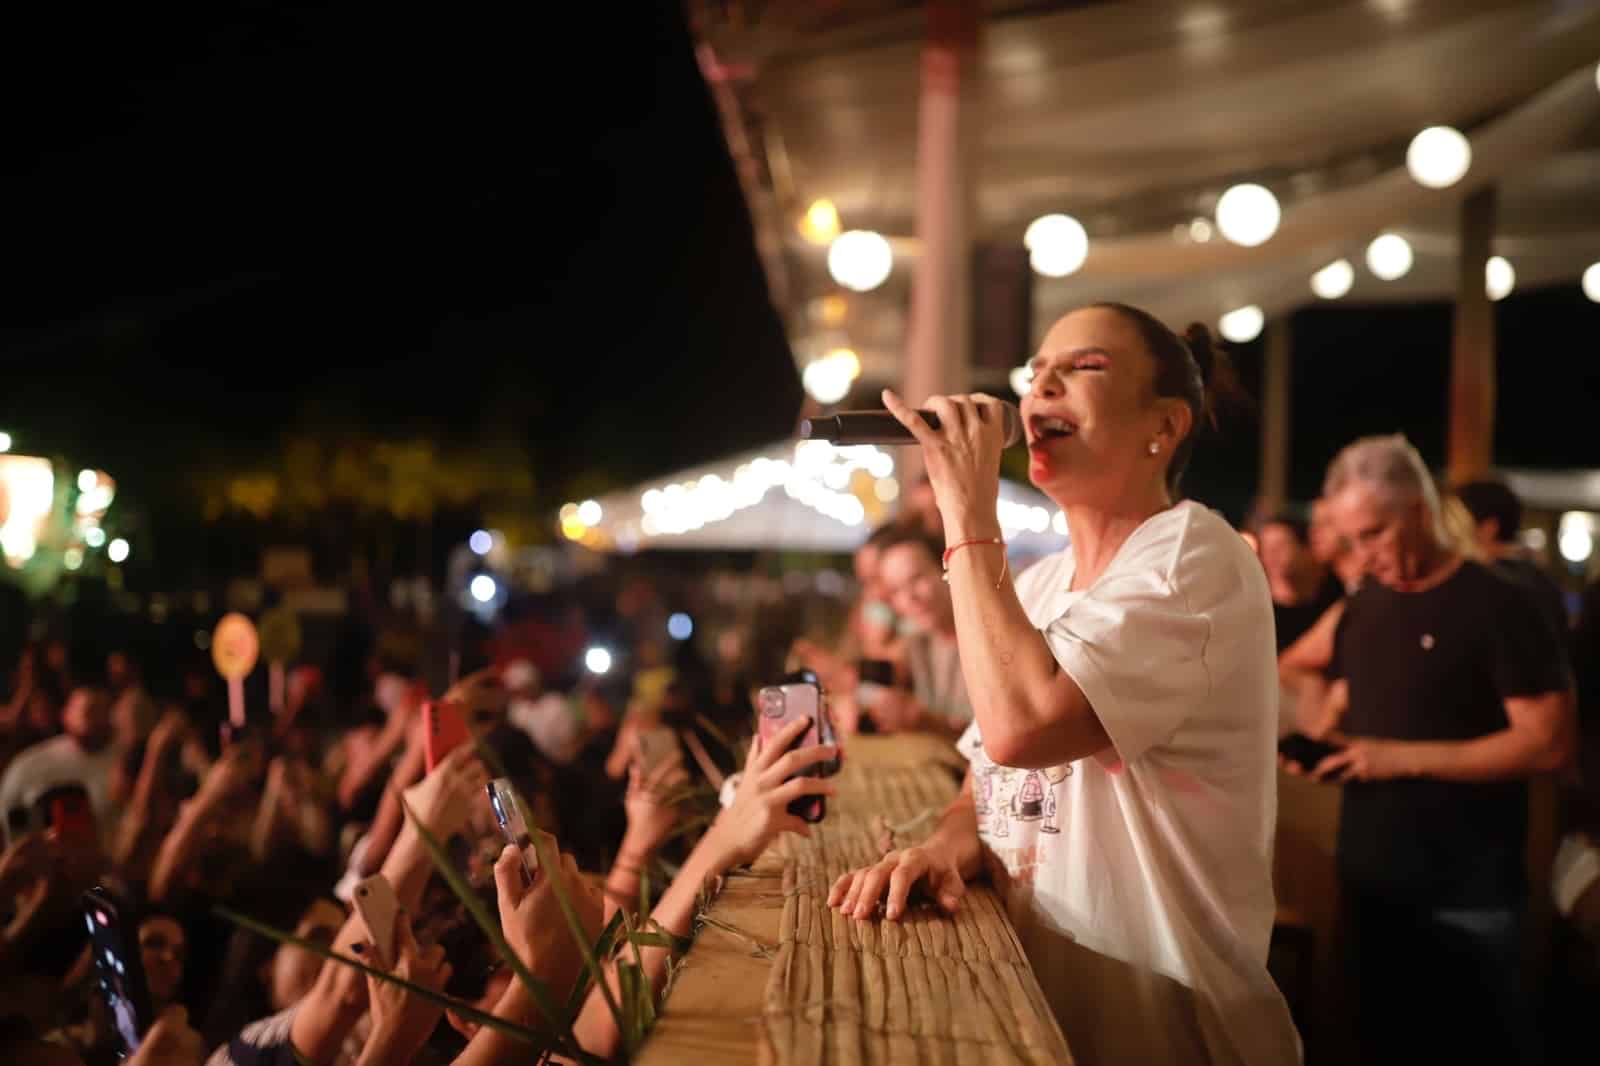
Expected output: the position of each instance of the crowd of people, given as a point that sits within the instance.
(1119, 704)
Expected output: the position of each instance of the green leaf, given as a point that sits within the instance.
(551, 866)
(603, 948)
(541, 1041)
(491, 929)
(652, 940)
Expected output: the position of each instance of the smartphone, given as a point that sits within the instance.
(69, 815)
(503, 800)
(119, 967)
(1301, 749)
(375, 901)
(779, 705)
(445, 725)
(656, 744)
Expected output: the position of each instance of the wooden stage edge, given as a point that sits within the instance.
(776, 978)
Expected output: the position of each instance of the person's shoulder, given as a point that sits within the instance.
(1190, 542)
(41, 753)
(1043, 573)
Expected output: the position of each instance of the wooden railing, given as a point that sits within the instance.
(775, 977)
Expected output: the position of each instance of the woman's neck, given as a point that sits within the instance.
(1097, 532)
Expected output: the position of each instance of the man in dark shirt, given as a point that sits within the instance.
(1449, 692)
(1497, 518)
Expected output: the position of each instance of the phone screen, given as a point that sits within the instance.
(503, 801)
(119, 968)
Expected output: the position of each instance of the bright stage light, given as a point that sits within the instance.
(1057, 245)
(1438, 157)
(1248, 214)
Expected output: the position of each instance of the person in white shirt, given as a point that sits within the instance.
(84, 754)
(1122, 788)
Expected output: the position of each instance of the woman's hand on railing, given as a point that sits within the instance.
(857, 894)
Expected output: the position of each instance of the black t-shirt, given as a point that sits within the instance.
(1438, 665)
(1545, 594)
(1292, 621)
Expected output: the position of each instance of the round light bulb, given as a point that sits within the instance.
(72, 558)
(1591, 282)
(597, 660)
(1057, 245)
(480, 542)
(1499, 277)
(1242, 325)
(860, 260)
(1575, 537)
(1389, 257)
(1248, 214)
(1022, 380)
(87, 479)
(821, 222)
(5, 442)
(826, 380)
(680, 626)
(117, 551)
(482, 588)
(1334, 280)
(94, 536)
(589, 512)
(1438, 157)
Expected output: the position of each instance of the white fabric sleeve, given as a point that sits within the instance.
(1135, 645)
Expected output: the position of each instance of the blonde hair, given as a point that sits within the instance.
(1394, 470)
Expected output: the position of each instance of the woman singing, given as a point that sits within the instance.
(1131, 677)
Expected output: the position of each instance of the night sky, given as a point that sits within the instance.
(227, 222)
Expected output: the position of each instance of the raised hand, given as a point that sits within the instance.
(759, 811)
(401, 1020)
(531, 917)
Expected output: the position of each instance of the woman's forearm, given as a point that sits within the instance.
(956, 837)
(1028, 712)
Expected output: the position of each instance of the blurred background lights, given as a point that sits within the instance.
(94, 536)
(1389, 257)
(597, 660)
(1575, 536)
(1242, 325)
(87, 479)
(1022, 380)
(483, 588)
(860, 260)
(1438, 157)
(1334, 280)
(1499, 277)
(820, 224)
(1591, 282)
(828, 380)
(1057, 245)
(589, 512)
(72, 558)
(480, 542)
(680, 626)
(117, 550)
(1248, 214)
(5, 442)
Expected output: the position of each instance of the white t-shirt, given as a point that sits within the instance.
(59, 761)
(1144, 872)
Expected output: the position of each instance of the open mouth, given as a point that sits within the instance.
(1042, 429)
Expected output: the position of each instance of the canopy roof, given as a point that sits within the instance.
(809, 497)
(1134, 117)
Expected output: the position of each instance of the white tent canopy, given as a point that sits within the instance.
(808, 496)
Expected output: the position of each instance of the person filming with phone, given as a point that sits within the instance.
(1121, 791)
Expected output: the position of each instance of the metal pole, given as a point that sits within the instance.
(1273, 491)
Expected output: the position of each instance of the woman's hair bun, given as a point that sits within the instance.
(1204, 348)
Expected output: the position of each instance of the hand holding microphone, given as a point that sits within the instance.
(961, 446)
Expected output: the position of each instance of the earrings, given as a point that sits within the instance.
(1155, 446)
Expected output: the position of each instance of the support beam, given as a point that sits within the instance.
(939, 336)
(1472, 358)
(1272, 491)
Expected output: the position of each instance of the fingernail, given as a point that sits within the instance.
(893, 912)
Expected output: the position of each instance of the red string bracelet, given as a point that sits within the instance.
(948, 552)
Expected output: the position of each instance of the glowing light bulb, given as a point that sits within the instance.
(860, 260)
(87, 479)
(1499, 277)
(1334, 280)
(597, 660)
(1438, 157)
(1591, 282)
(1057, 245)
(117, 550)
(94, 536)
(680, 626)
(821, 222)
(1242, 325)
(1248, 214)
(480, 542)
(1389, 257)
(483, 588)
(589, 512)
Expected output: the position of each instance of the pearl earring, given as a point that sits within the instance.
(1155, 446)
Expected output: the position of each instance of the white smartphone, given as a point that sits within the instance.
(503, 801)
(375, 901)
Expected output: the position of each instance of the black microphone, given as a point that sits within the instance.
(881, 427)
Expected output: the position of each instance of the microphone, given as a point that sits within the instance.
(881, 427)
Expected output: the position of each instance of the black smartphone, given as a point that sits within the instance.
(1301, 749)
(119, 967)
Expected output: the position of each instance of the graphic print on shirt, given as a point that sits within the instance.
(1054, 775)
(982, 791)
